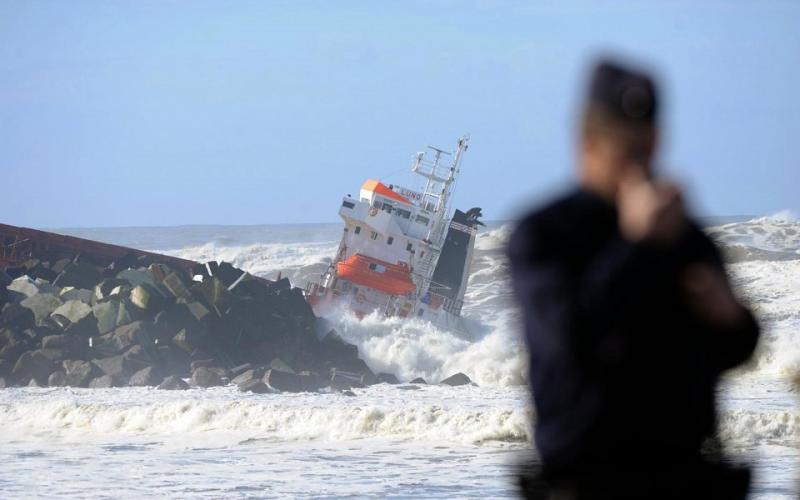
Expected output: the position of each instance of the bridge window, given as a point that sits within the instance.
(358, 229)
(409, 247)
(422, 220)
(377, 267)
(373, 235)
(390, 240)
(348, 204)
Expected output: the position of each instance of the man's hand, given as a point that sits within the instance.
(710, 297)
(648, 210)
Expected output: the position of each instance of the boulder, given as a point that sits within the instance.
(116, 366)
(79, 275)
(342, 380)
(58, 347)
(137, 277)
(12, 351)
(457, 379)
(106, 314)
(387, 378)
(238, 370)
(172, 359)
(126, 314)
(224, 373)
(104, 382)
(111, 314)
(198, 310)
(290, 382)
(418, 380)
(15, 272)
(198, 354)
(173, 383)
(125, 336)
(161, 325)
(339, 352)
(137, 357)
(146, 297)
(176, 286)
(252, 374)
(190, 340)
(122, 291)
(159, 271)
(10, 296)
(37, 333)
(205, 377)
(5, 279)
(81, 294)
(75, 310)
(215, 292)
(58, 322)
(79, 373)
(125, 262)
(205, 363)
(57, 379)
(359, 369)
(224, 271)
(280, 365)
(65, 342)
(255, 386)
(42, 305)
(106, 288)
(15, 316)
(33, 365)
(85, 328)
(60, 265)
(40, 270)
(55, 354)
(10, 336)
(146, 377)
(24, 285)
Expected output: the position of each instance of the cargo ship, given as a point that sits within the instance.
(403, 252)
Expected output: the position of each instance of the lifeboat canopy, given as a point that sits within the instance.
(394, 279)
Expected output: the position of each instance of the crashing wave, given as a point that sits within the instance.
(766, 238)
(269, 417)
(492, 353)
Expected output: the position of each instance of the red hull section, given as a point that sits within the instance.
(394, 279)
(20, 243)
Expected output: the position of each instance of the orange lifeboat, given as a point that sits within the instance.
(394, 279)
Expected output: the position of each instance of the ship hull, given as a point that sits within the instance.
(402, 252)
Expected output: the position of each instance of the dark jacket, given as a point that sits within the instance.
(621, 370)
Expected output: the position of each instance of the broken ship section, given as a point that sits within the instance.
(402, 252)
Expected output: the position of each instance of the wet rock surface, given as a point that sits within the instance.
(456, 380)
(173, 383)
(142, 322)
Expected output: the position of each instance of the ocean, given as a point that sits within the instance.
(387, 441)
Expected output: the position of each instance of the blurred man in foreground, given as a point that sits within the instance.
(629, 317)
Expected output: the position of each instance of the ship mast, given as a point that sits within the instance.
(439, 179)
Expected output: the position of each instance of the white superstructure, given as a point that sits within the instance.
(403, 252)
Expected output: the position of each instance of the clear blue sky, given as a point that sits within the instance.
(234, 112)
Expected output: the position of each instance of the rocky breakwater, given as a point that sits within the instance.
(143, 323)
